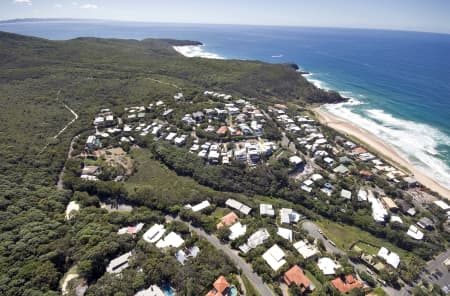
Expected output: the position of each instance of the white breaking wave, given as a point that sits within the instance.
(417, 142)
(191, 51)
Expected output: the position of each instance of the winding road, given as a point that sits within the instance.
(247, 270)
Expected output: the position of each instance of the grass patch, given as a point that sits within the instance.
(251, 291)
(345, 236)
(368, 249)
(153, 173)
(379, 291)
(315, 282)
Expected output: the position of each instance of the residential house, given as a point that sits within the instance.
(153, 234)
(274, 257)
(237, 230)
(118, 264)
(296, 276)
(426, 223)
(227, 220)
(288, 216)
(153, 290)
(171, 240)
(232, 203)
(183, 255)
(285, 233)
(266, 210)
(221, 288)
(415, 233)
(256, 239)
(327, 266)
(391, 258)
(346, 284)
(306, 249)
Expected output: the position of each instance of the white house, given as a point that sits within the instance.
(274, 257)
(415, 233)
(237, 230)
(391, 258)
(285, 233)
(305, 249)
(327, 266)
(118, 264)
(154, 233)
(232, 203)
(266, 210)
(171, 240)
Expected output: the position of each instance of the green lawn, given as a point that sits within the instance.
(251, 291)
(345, 236)
(316, 283)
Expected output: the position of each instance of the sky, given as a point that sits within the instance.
(416, 15)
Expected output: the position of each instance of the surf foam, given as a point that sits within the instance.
(191, 51)
(417, 142)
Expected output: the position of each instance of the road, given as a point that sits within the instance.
(75, 117)
(247, 270)
(313, 230)
(437, 265)
(59, 185)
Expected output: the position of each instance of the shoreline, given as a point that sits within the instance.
(388, 153)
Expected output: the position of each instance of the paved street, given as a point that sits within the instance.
(437, 265)
(313, 231)
(247, 270)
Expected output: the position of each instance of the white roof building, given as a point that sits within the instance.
(285, 233)
(379, 213)
(171, 240)
(256, 239)
(346, 194)
(288, 216)
(316, 177)
(327, 266)
(118, 264)
(201, 206)
(362, 195)
(237, 230)
(305, 249)
(391, 258)
(171, 136)
(266, 210)
(396, 219)
(232, 203)
(153, 290)
(442, 204)
(295, 160)
(274, 257)
(154, 233)
(414, 232)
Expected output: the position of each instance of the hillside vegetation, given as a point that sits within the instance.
(37, 77)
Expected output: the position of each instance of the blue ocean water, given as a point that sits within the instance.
(399, 81)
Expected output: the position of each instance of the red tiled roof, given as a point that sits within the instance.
(221, 284)
(297, 276)
(349, 284)
(359, 150)
(228, 220)
(222, 130)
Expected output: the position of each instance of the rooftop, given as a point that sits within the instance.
(296, 276)
(346, 284)
(274, 257)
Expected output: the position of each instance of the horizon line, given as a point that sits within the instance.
(55, 19)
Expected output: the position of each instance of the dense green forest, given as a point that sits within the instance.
(37, 77)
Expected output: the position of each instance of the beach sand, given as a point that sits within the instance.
(387, 152)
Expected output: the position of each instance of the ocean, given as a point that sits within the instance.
(398, 82)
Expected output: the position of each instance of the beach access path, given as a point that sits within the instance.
(387, 152)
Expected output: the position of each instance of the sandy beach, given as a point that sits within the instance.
(380, 147)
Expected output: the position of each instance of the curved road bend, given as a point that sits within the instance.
(247, 270)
